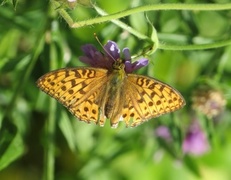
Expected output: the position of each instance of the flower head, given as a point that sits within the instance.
(208, 101)
(95, 58)
(195, 141)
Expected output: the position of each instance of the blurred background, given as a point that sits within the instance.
(40, 139)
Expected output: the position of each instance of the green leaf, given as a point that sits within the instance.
(192, 166)
(15, 2)
(152, 33)
(67, 130)
(3, 2)
(11, 145)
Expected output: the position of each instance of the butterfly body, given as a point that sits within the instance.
(114, 94)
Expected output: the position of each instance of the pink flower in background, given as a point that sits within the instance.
(163, 133)
(195, 141)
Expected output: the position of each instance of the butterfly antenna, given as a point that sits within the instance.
(97, 39)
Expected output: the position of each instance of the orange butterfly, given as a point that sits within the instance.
(108, 90)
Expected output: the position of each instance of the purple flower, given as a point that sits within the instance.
(95, 58)
(163, 133)
(195, 141)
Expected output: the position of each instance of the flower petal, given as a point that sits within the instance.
(112, 48)
(195, 141)
(127, 55)
(136, 65)
(95, 58)
(90, 54)
(163, 133)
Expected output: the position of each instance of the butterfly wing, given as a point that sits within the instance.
(147, 98)
(79, 89)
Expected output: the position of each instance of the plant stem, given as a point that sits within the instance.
(50, 139)
(155, 7)
(57, 6)
(164, 45)
(122, 25)
(49, 167)
(24, 78)
(195, 46)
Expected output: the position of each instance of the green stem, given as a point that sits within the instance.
(25, 76)
(155, 7)
(56, 5)
(164, 45)
(113, 17)
(195, 46)
(49, 167)
(222, 65)
(122, 25)
(50, 147)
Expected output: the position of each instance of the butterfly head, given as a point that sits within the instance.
(118, 65)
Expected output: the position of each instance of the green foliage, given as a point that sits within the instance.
(40, 139)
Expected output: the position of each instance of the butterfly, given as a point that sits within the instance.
(95, 94)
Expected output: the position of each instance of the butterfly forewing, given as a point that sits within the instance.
(76, 88)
